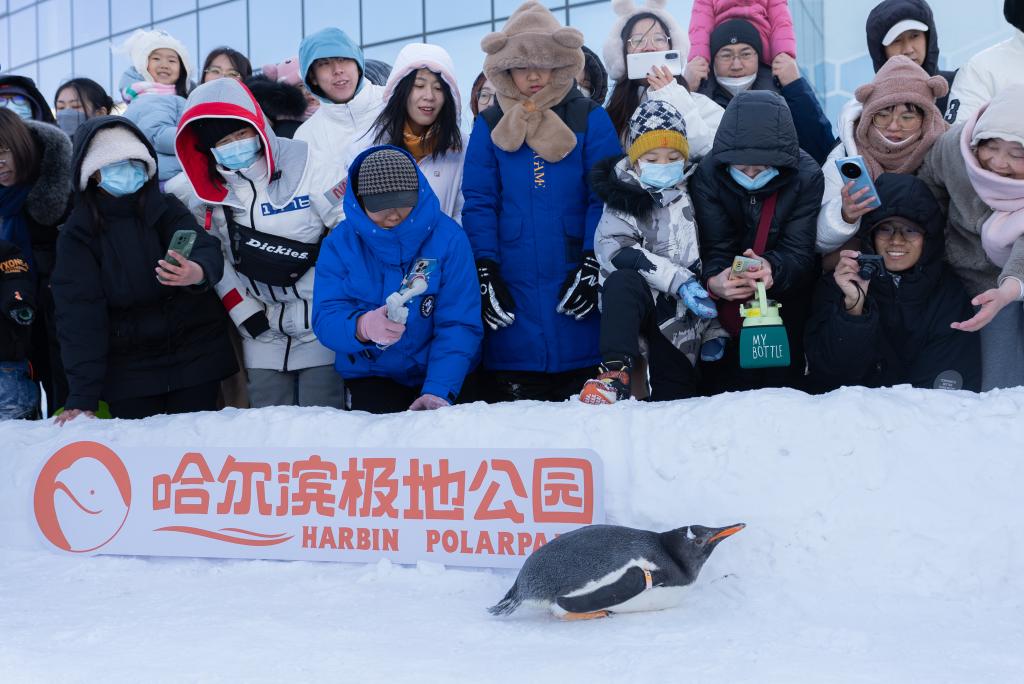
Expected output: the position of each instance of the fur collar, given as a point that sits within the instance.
(620, 195)
(48, 200)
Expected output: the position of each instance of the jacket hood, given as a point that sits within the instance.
(400, 244)
(47, 201)
(226, 98)
(329, 42)
(618, 194)
(597, 75)
(907, 197)
(415, 56)
(887, 14)
(27, 87)
(88, 130)
(757, 128)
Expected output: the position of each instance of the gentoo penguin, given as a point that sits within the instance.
(601, 569)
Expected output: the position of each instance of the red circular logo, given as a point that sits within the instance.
(82, 497)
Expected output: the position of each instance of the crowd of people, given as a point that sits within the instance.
(325, 232)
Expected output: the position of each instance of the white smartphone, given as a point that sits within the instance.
(639, 64)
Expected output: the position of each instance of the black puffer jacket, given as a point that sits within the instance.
(283, 104)
(17, 291)
(597, 74)
(885, 15)
(49, 201)
(122, 333)
(903, 334)
(757, 128)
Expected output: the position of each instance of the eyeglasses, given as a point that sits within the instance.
(485, 97)
(907, 121)
(908, 233)
(6, 98)
(216, 71)
(658, 40)
(726, 57)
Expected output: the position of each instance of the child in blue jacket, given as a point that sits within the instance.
(530, 214)
(396, 295)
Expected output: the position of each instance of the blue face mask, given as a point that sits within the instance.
(70, 119)
(755, 183)
(240, 154)
(662, 176)
(123, 177)
(19, 105)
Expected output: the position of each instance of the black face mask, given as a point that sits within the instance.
(70, 119)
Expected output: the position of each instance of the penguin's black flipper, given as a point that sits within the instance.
(626, 587)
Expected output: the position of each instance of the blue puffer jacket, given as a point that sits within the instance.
(536, 219)
(360, 264)
(157, 116)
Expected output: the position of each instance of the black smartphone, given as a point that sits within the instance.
(181, 242)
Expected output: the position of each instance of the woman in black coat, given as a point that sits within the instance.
(756, 157)
(143, 334)
(894, 328)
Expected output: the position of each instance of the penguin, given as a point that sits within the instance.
(89, 506)
(598, 570)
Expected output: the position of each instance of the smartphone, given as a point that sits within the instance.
(181, 242)
(741, 264)
(639, 64)
(853, 169)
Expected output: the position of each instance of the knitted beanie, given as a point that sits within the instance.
(141, 43)
(210, 131)
(387, 179)
(899, 81)
(110, 145)
(655, 124)
(614, 46)
(736, 31)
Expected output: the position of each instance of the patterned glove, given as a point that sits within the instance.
(579, 291)
(697, 300)
(495, 300)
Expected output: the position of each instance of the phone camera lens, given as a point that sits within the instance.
(851, 170)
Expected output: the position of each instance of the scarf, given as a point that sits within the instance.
(13, 226)
(1005, 196)
(530, 120)
(882, 156)
(141, 88)
(419, 147)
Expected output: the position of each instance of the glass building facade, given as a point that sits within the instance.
(53, 40)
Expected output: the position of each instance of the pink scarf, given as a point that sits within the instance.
(1005, 196)
(147, 88)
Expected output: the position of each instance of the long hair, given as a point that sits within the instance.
(239, 62)
(99, 222)
(625, 96)
(390, 124)
(90, 93)
(16, 137)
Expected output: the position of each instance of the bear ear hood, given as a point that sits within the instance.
(614, 49)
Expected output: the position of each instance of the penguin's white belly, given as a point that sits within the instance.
(655, 598)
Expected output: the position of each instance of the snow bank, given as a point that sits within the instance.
(884, 543)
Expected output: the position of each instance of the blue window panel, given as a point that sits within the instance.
(93, 61)
(52, 72)
(223, 25)
(445, 14)
(54, 26)
(162, 9)
(343, 14)
(23, 37)
(129, 14)
(92, 20)
(393, 19)
(275, 31)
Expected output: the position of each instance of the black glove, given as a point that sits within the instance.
(496, 302)
(256, 325)
(579, 291)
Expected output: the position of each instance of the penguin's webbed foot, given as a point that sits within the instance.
(587, 616)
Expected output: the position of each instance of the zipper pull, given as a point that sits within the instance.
(753, 200)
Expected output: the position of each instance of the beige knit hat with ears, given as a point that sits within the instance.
(533, 38)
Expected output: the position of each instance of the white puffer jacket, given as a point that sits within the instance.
(291, 193)
(334, 126)
(985, 74)
(833, 231)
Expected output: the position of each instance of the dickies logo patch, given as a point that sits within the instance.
(427, 306)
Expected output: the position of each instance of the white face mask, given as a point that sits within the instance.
(895, 143)
(737, 85)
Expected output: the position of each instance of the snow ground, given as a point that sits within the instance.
(884, 544)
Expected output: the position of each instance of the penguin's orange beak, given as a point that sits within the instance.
(726, 532)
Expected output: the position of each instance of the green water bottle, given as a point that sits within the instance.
(763, 339)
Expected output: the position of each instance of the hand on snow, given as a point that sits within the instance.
(189, 273)
(495, 300)
(579, 291)
(696, 299)
(71, 414)
(848, 281)
(374, 326)
(427, 402)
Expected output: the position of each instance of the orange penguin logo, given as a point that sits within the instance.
(82, 497)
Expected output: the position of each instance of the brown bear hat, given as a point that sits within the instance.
(532, 37)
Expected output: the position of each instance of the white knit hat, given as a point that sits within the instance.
(141, 43)
(626, 10)
(415, 56)
(110, 145)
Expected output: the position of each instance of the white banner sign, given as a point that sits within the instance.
(476, 507)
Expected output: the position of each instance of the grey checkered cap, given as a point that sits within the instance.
(387, 179)
(654, 115)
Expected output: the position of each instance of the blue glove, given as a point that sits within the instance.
(697, 300)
